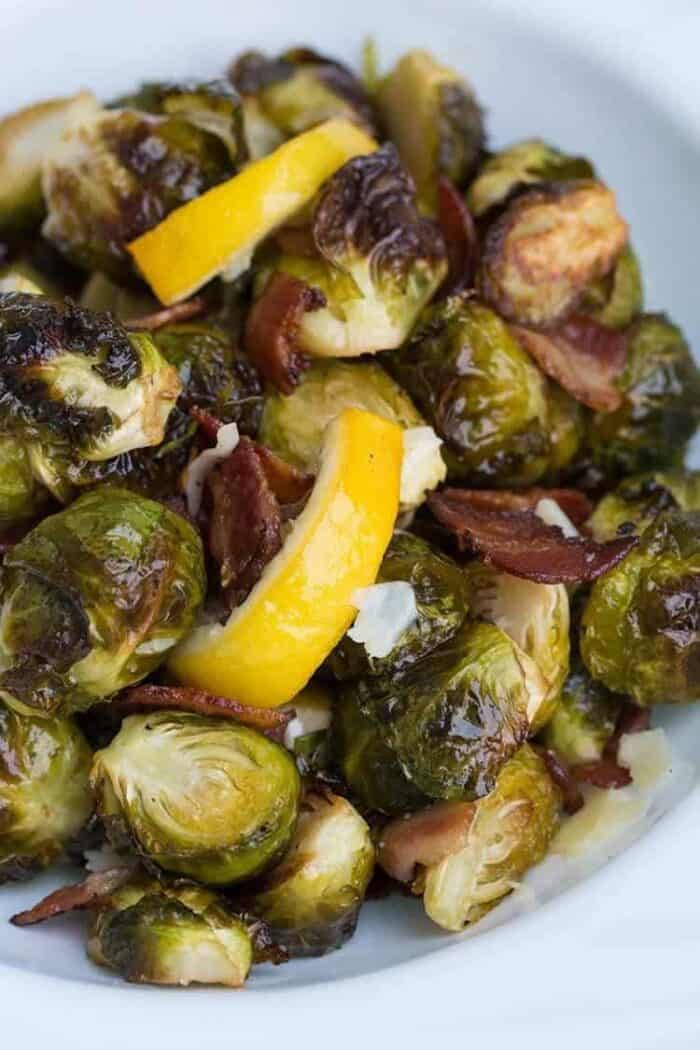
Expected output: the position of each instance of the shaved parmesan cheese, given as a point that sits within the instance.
(387, 610)
(551, 514)
(423, 467)
(198, 470)
(312, 713)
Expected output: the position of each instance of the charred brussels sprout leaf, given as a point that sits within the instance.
(442, 601)
(435, 120)
(616, 299)
(660, 407)
(509, 833)
(44, 793)
(93, 598)
(21, 497)
(155, 932)
(584, 720)
(641, 625)
(523, 164)
(197, 796)
(76, 387)
(547, 246)
(637, 501)
(311, 900)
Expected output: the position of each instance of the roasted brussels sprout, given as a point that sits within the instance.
(566, 422)
(660, 410)
(93, 598)
(435, 120)
(44, 793)
(523, 164)
(156, 932)
(198, 796)
(311, 900)
(583, 720)
(535, 616)
(616, 299)
(76, 387)
(640, 632)
(21, 497)
(127, 302)
(442, 601)
(546, 247)
(638, 500)
(455, 717)
(509, 832)
(376, 262)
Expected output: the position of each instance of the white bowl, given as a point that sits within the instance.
(522, 972)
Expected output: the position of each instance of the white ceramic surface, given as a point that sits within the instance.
(611, 958)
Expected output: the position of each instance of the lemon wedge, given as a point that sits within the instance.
(217, 232)
(301, 606)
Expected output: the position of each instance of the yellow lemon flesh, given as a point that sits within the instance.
(218, 231)
(301, 606)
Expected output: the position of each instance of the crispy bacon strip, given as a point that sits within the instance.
(563, 777)
(581, 355)
(424, 838)
(520, 543)
(273, 326)
(602, 773)
(169, 315)
(89, 893)
(576, 505)
(288, 484)
(269, 720)
(461, 240)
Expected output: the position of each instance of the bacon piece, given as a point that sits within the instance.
(273, 325)
(269, 720)
(169, 315)
(288, 484)
(602, 773)
(207, 423)
(563, 777)
(520, 543)
(461, 240)
(90, 893)
(426, 838)
(581, 355)
(576, 505)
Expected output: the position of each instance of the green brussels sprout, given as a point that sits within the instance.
(21, 498)
(510, 832)
(76, 387)
(638, 500)
(198, 796)
(116, 176)
(523, 164)
(566, 421)
(535, 616)
(616, 299)
(102, 295)
(311, 900)
(441, 599)
(480, 391)
(455, 717)
(660, 409)
(640, 631)
(93, 598)
(155, 932)
(433, 116)
(376, 261)
(44, 793)
(584, 719)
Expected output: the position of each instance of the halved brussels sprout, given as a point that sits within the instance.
(523, 164)
(155, 932)
(44, 794)
(660, 410)
(510, 831)
(433, 116)
(640, 633)
(202, 797)
(311, 900)
(20, 277)
(547, 246)
(442, 601)
(93, 598)
(638, 500)
(584, 719)
(76, 387)
(21, 498)
(535, 616)
(616, 299)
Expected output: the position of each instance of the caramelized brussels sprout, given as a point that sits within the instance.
(21, 498)
(435, 120)
(638, 500)
(566, 422)
(660, 410)
(376, 262)
(202, 797)
(509, 832)
(44, 793)
(616, 299)
(442, 601)
(93, 598)
(640, 633)
(523, 164)
(547, 246)
(584, 718)
(76, 387)
(311, 900)
(156, 932)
